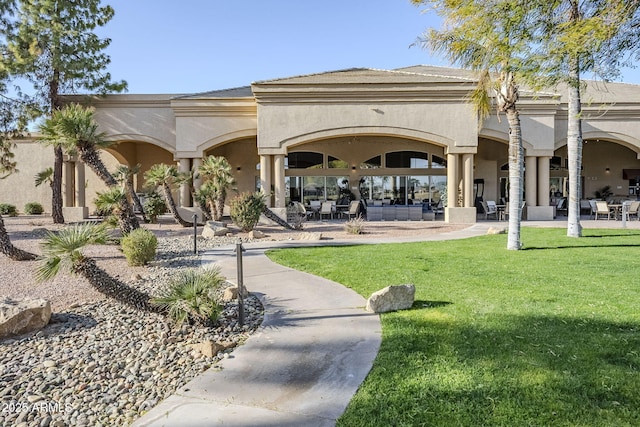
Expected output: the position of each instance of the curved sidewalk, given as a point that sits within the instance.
(303, 365)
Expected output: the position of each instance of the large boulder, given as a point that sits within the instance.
(391, 298)
(214, 229)
(22, 316)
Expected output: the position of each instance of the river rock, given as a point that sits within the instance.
(19, 316)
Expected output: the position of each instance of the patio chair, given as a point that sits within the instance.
(326, 209)
(354, 209)
(490, 209)
(594, 208)
(602, 208)
(633, 210)
(562, 206)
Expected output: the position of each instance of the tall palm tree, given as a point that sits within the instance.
(217, 171)
(165, 176)
(75, 128)
(125, 175)
(64, 250)
(494, 40)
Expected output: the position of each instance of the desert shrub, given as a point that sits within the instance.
(354, 225)
(154, 206)
(139, 246)
(191, 297)
(33, 208)
(8, 210)
(245, 209)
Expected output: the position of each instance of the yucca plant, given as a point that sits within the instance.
(64, 251)
(191, 297)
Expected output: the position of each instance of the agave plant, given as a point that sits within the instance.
(191, 297)
(64, 251)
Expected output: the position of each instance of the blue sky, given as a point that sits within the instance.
(169, 46)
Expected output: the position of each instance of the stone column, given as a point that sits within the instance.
(265, 177)
(196, 162)
(467, 192)
(279, 181)
(79, 185)
(452, 180)
(543, 181)
(184, 165)
(531, 180)
(67, 184)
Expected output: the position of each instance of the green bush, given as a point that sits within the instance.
(33, 208)
(191, 297)
(8, 210)
(139, 246)
(245, 210)
(154, 205)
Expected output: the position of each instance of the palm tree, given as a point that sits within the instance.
(125, 174)
(165, 176)
(217, 171)
(493, 40)
(108, 203)
(75, 128)
(63, 250)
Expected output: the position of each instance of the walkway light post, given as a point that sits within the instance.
(239, 249)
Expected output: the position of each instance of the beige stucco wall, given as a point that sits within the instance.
(32, 158)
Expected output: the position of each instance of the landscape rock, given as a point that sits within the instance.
(214, 229)
(207, 348)
(309, 236)
(231, 293)
(22, 316)
(497, 230)
(391, 298)
(256, 234)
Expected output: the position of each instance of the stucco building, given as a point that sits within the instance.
(405, 135)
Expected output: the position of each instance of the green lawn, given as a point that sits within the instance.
(546, 336)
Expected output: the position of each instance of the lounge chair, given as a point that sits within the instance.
(326, 209)
(490, 209)
(602, 208)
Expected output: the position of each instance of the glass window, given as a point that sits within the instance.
(407, 159)
(438, 162)
(304, 160)
(335, 163)
(372, 163)
(419, 189)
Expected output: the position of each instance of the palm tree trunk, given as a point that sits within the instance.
(516, 167)
(113, 288)
(7, 248)
(91, 157)
(173, 208)
(56, 187)
(574, 150)
(136, 199)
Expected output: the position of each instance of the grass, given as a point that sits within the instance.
(546, 336)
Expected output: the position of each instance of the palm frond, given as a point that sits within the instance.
(62, 250)
(44, 176)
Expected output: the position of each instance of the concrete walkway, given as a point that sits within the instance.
(303, 365)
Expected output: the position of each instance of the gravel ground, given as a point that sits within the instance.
(99, 363)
